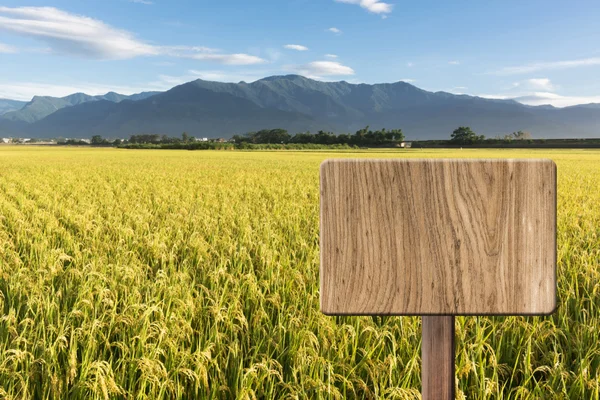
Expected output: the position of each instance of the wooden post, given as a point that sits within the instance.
(437, 358)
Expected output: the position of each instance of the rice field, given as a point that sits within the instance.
(141, 274)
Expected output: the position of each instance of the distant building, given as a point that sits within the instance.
(202, 139)
(88, 141)
(5, 140)
(406, 145)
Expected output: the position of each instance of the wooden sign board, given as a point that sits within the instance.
(438, 237)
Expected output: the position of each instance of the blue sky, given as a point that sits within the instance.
(539, 52)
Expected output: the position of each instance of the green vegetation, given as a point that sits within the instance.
(465, 135)
(179, 275)
(363, 137)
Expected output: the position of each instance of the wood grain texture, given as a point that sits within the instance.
(438, 237)
(437, 358)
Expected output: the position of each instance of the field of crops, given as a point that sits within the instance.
(174, 274)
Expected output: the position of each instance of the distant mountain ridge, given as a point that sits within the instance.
(216, 109)
(42, 106)
(7, 105)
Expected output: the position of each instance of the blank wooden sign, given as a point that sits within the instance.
(438, 237)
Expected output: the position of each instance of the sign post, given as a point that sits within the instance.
(438, 238)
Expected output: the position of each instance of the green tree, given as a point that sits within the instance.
(271, 136)
(465, 135)
(97, 139)
(522, 135)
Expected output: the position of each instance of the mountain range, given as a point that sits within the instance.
(215, 109)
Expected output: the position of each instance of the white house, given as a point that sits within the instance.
(5, 140)
(406, 145)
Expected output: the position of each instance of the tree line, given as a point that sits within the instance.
(464, 135)
(362, 137)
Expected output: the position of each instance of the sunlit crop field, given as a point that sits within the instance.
(151, 274)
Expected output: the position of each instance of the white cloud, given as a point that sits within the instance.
(409, 64)
(538, 84)
(454, 62)
(298, 47)
(458, 90)
(73, 34)
(542, 98)
(331, 56)
(407, 80)
(166, 82)
(553, 65)
(229, 59)
(335, 30)
(540, 91)
(373, 6)
(228, 76)
(318, 69)
(83, 36)
(4, 48)
(142, 2)
(524, 87)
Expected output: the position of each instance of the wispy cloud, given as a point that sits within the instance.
(454, 62)
(542, 98)
(536, 84)
(335, 30)
(210, 54)
(229, 59)
(458, 90)
(409, 64)
(542, 66)
(331, 56)
(164, 64)
(4, 48)
(273, 54)
(73, 34)
(373, 6)
(166, 82)
(229, 76)
(298, 47)
(319, 69)
(536, 91)
(86, 37)
(407, 80)
(142, 2)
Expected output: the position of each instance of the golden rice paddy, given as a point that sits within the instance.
(157, 274)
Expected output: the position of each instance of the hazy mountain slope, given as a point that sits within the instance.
(7, 105)
(10, 128)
